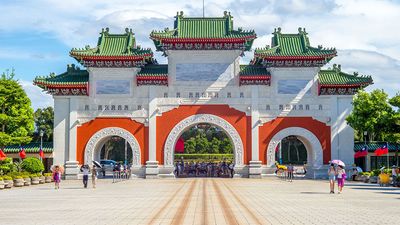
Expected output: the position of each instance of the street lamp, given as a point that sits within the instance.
(41, 133)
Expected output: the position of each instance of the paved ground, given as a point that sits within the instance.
(200, 201)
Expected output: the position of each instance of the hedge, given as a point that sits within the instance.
(32, 165)
(204, 157)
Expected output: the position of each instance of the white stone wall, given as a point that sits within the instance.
(144, 103)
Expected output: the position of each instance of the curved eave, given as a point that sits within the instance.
(294, 57)
(112, 58)
(255, 77)
(204, 40)
(46, 85)
(150, 77)
(357, 85)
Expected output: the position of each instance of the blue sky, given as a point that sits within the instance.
(36, 36)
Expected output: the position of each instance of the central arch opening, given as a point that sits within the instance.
(291, 150)
(114, 152)
(204, 150)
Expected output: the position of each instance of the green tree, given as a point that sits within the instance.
(394, 125)
(44, 120)
(190, 146)
(202, 144)
(371, 113)
(226, 146)
(214, 146)
(16, 114)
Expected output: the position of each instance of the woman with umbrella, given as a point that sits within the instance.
(57, 171)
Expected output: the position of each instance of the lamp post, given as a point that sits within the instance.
(41, 133)
(365, 142)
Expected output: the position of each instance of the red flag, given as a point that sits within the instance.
(3, 156)
(41, 153)
(180, 146)
(382, 150)
(22, 153)
(363, 152)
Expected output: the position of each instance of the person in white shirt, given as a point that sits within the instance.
(85, 170)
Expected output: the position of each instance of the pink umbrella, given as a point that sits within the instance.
(338, 162)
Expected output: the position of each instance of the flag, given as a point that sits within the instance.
(3, 156)
(180, 146)
(277, 148)
(41, 153)
(382, 150)
(363, 152)
(22, 153)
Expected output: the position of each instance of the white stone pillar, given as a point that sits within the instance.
(71, 165)
(334, 127)
(60, 135)
(152, 164)
(255, 163)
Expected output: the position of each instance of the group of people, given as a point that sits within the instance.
(336, 173)
(204, 169)
(85, 169)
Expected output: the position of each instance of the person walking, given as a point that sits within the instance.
(85, 170)
(332, 178)
(232, 169)
(290, 170)
(394, 175)
(94, 176)
(341, 177)
(57, 177)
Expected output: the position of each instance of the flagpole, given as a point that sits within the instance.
(387, 145)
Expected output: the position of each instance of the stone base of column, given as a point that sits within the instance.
(71, 170)
(255, 169)
(152, 170)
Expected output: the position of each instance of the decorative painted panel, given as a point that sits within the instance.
(204, 72)
(104, 87)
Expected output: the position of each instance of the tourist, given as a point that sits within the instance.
(394, 175)
(332, 176)
(341, 177)
(290, 170)
(232, 169)
(354, 174)
(57, 177)
(85, 169)
(94, 176)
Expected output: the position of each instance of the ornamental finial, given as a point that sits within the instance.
(181, 13)
(279, 30)
(339, 67)
(225, 13)
(127, 30)
(355, 74)
(107, 30)
(299, 30)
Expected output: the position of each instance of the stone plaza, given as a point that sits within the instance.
(200, 201)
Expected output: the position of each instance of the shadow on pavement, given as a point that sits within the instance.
(376, 188)
(313, 192)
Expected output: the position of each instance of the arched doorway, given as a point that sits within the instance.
(190, 121)
(291, 150)
(203, 150)
(96, 142)
(308, 139)
(117, 149)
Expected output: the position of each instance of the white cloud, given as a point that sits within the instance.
(38, 98)
(384, 70)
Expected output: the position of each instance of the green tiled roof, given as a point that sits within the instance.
(372, 146)
(293, 45)
(113, 45)
(203, 28)
(154, 70)
(336, 77)
(73, 76)
(32, 147)
(250, 70)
